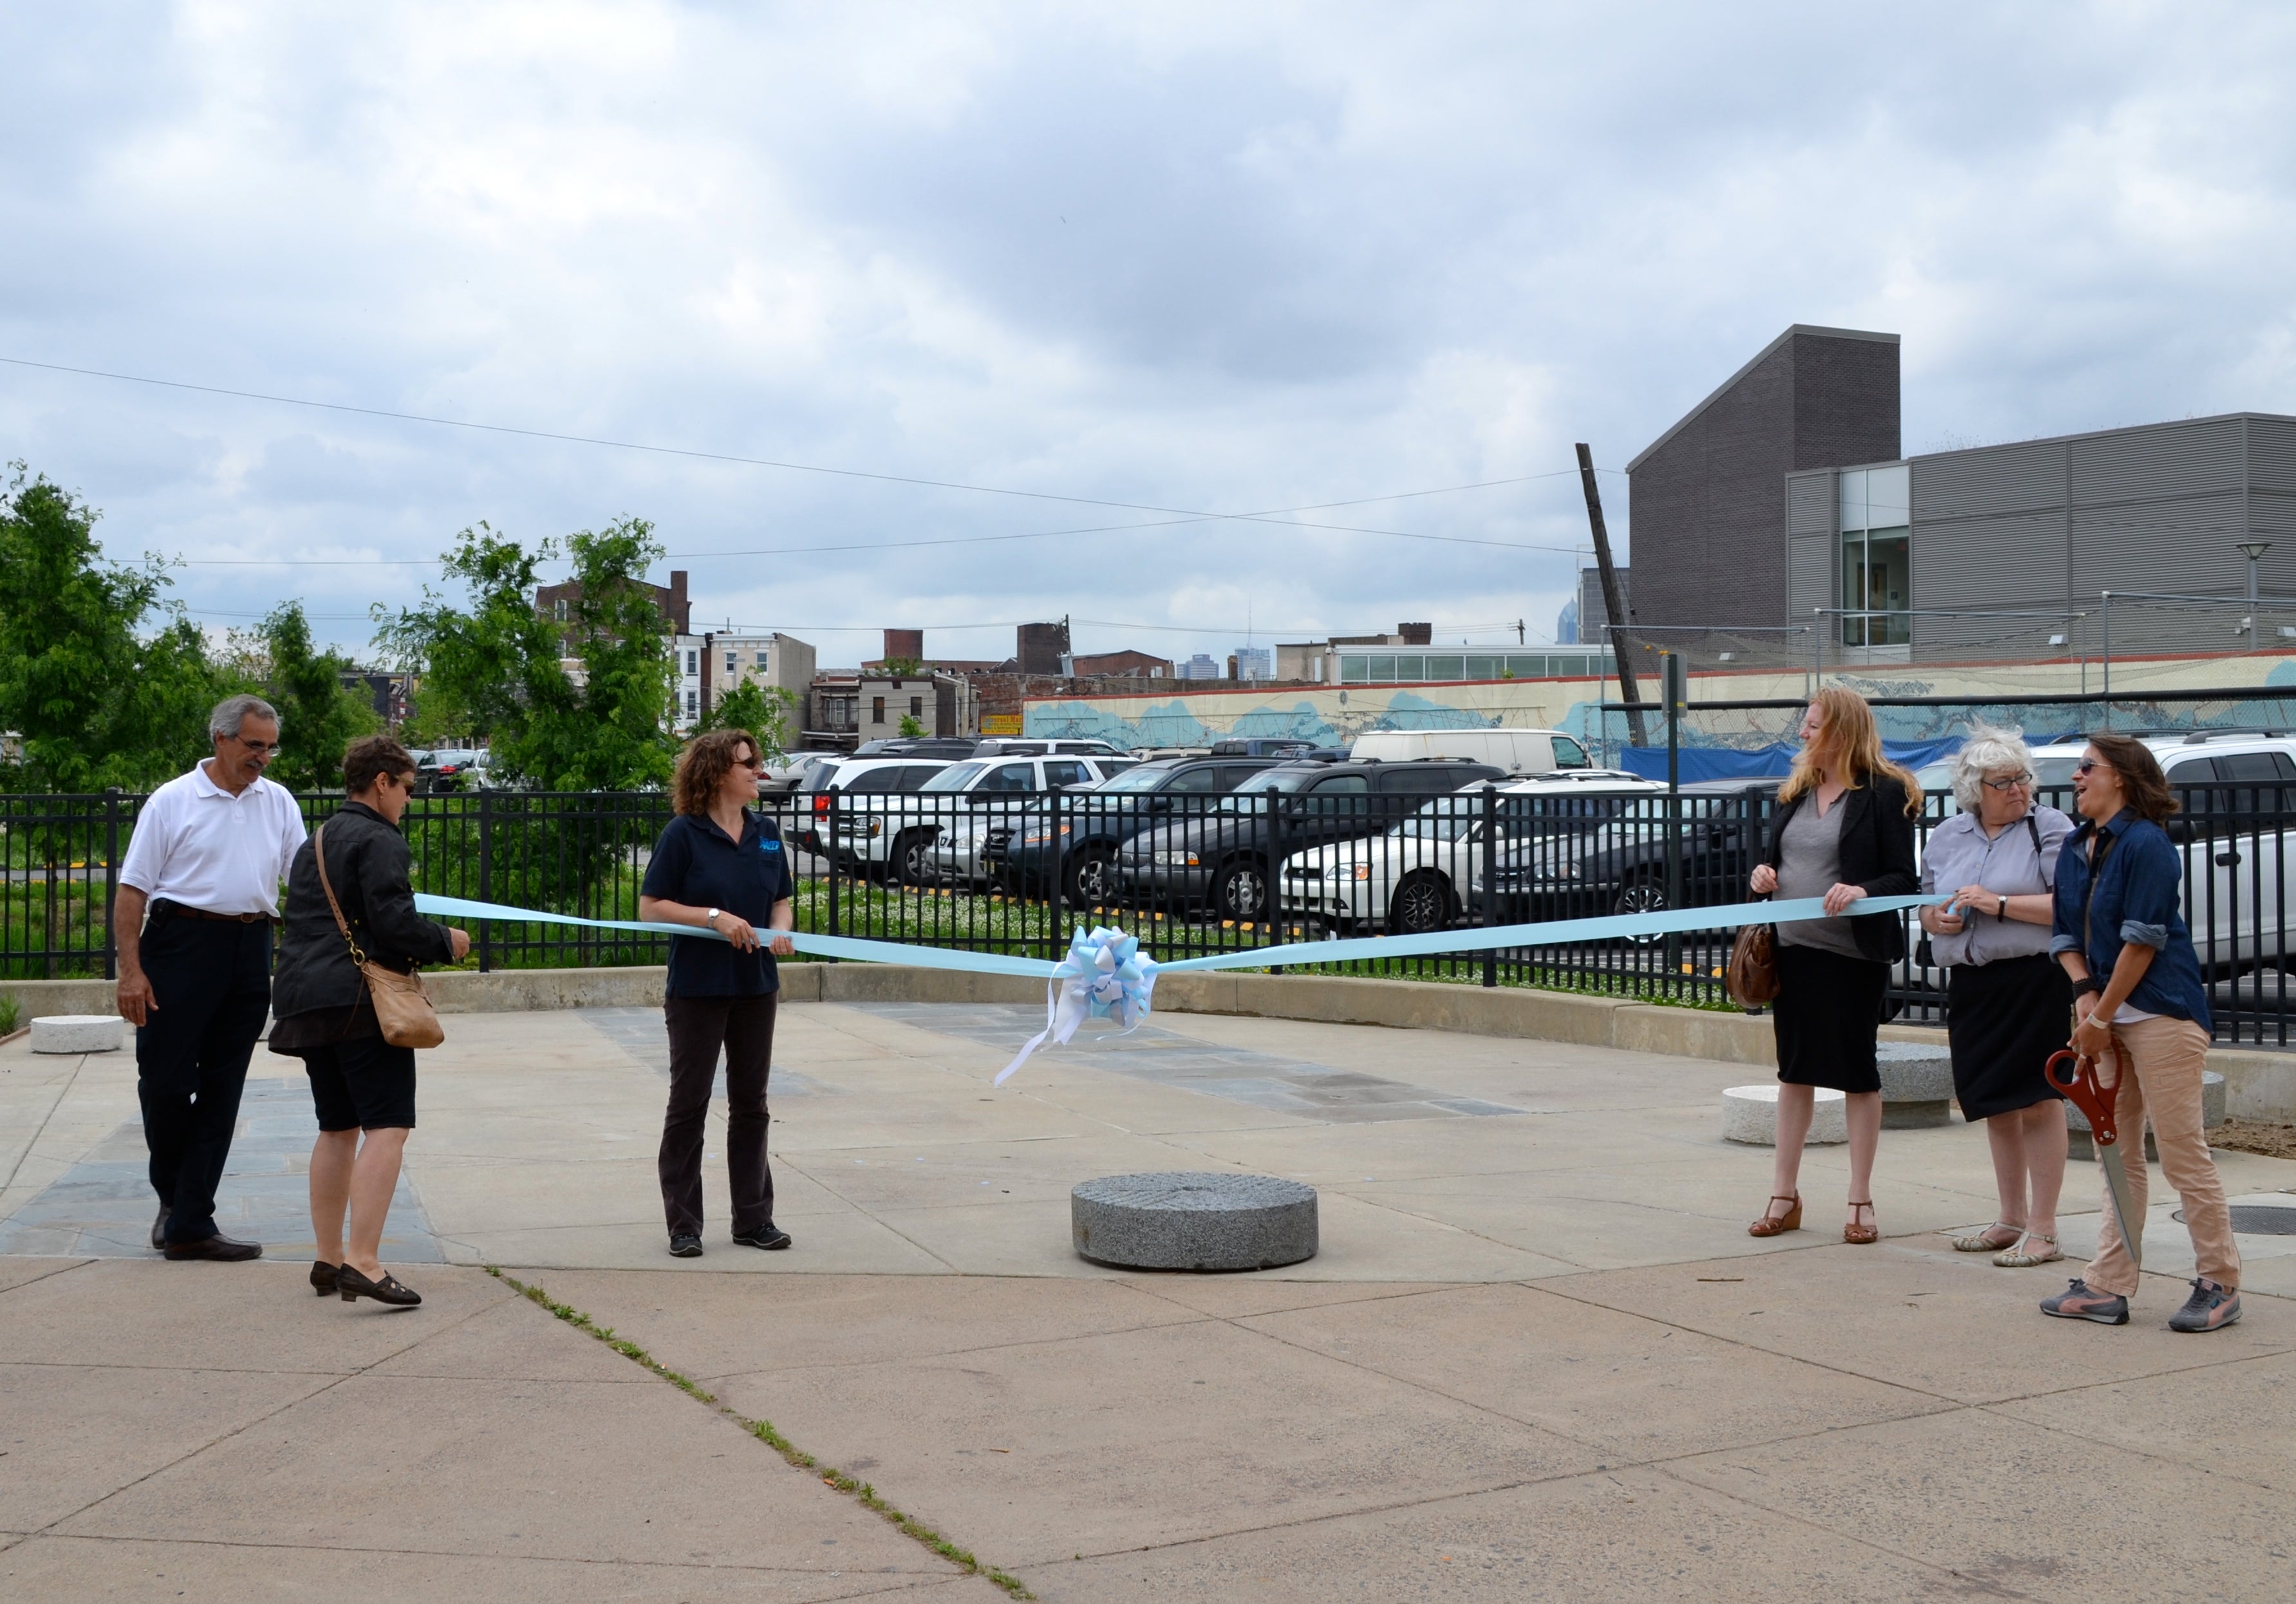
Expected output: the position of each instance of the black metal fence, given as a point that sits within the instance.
(1309, 856)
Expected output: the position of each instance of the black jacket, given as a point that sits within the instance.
(368, 865)
(1877, 852)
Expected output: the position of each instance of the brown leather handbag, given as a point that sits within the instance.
(401, 1006)
(1753, 978)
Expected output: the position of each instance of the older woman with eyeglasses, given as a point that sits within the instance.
(2008, 1002)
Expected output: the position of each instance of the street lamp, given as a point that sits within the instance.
(2253, 550)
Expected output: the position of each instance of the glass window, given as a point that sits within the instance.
(694, 662)
(1853, 500)
(914, 776)
(1146, 777)
(1013, 777)
(876, 709)
(692, 703)
(1199, 782)
(1481, 669)
(1382, 668)
(955, 777)
(730, 662)
(1410, 669)
(1354, 668)
(761, 659)
(1064, 771)
(1526, 668)
(1889, 498)
(1420, 782)
(1246, 796)
(917, 707)
(1451, 669)
(1111, 768)
(1569, 754)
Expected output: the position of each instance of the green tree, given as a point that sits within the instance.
(912, 725)
(763, 710)
(497, 670)
(901, 667)
(96, 701)
(318, 714)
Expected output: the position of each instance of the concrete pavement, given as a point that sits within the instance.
(1537, 1356)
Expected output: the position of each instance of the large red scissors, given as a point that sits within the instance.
(2079, 1085)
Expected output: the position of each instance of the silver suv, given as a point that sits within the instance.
(892, 832)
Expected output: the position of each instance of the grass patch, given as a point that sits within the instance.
(764, 1431)
(9, 1008)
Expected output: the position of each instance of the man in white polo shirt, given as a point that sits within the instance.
(209, 851)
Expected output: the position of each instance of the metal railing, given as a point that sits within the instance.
(1190, 874)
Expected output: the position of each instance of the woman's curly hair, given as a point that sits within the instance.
(701, 767)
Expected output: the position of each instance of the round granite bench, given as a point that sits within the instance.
(78, 1033)
(1917, 1085)
(1750, 1114)
(1194, 1220)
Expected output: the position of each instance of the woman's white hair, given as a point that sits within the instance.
(1988, 747)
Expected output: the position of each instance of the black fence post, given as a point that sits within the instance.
(486, 878)
(110, 880)
(1490, 879)
(1271, 899)
(828, 851)
(1671, 676)
(1056, 895)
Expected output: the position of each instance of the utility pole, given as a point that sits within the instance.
(1614, 602)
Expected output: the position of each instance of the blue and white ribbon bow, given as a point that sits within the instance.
(1105, 975)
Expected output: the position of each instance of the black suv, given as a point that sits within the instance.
(1096, 820)
(1224, 858)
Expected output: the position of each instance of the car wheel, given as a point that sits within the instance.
(1241, 891)
(913, 857)
(1088, 883)
(1423, 903)
(1644, 895)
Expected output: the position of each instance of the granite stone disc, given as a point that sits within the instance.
(1194, 1220)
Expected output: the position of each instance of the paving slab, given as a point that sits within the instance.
(2037, 1512)
(2234, 1419)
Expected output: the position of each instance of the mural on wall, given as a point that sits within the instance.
(1335, 715)
(1328, 717)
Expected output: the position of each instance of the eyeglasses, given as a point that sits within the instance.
(2014, 783)
(258, 747)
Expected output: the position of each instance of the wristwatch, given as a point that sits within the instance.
(2087, 982)
(712, 919)
(2002, 911)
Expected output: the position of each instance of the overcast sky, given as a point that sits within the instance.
(1209, 257)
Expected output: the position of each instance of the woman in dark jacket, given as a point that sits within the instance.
(324, 1015)
(1843, 831)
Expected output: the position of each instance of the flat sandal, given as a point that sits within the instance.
(1975, 1242)
(2011, 1258)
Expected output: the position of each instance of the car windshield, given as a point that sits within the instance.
(1244, 798)
(1147, 776)
(954, 778)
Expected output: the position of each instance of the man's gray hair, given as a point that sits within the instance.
(234, 711)
(1988, 747)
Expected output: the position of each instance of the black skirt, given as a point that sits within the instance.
(1827, 1015)
(2004, 1018)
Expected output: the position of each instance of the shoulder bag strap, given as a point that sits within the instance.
(2033, 829)
(2088, 892)
(319, 853)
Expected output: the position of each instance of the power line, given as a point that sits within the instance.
(1182, 513)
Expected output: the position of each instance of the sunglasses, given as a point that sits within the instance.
(2089, 766)
(751, 764)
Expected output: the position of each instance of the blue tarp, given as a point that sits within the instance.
(1763, 763)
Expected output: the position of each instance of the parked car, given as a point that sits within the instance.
(1014, 746)
(1611, 859)
(786, 773)
(447, 769)
(955, 748)
(1089, 834)
(1262, 746)
(858, 792)
(1414, 878)
(937, 832)
(1224, 860)
(1511, 751)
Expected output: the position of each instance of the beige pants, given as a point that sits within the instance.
(2160, 1065)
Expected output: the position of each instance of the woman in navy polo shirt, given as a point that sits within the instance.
(2144, 1017)
(720, 866)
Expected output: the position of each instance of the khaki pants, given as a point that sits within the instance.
(2160, 1065)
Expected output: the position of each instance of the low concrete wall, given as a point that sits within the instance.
(2258, 1085)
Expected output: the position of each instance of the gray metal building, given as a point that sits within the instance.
(1943, 550)
(1783, 501)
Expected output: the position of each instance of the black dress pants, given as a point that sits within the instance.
(211, 990)
(699, 1026)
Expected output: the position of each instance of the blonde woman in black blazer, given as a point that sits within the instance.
(1843, 831)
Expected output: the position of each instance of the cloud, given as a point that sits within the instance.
(1186, 255)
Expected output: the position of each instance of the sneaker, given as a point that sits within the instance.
(685, 1247)
(2210, 1308)
(2077, 1302)
(763, 1236)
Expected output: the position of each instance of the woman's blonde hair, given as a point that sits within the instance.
(1848, 735)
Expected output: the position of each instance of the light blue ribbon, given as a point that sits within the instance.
(1133, 973)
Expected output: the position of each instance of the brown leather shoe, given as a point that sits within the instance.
(217, 1246)
(1860, 1234)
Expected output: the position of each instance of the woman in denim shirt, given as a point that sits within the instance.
(2141, 1009)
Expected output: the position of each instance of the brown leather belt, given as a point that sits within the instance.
(178, 911)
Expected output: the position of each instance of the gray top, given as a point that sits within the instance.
(1959, 855)
(1809, 865)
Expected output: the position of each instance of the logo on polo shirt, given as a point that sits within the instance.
(769, 845)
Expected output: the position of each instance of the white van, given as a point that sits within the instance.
(1517, 751)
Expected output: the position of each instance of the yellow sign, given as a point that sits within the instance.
(1000, 723)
